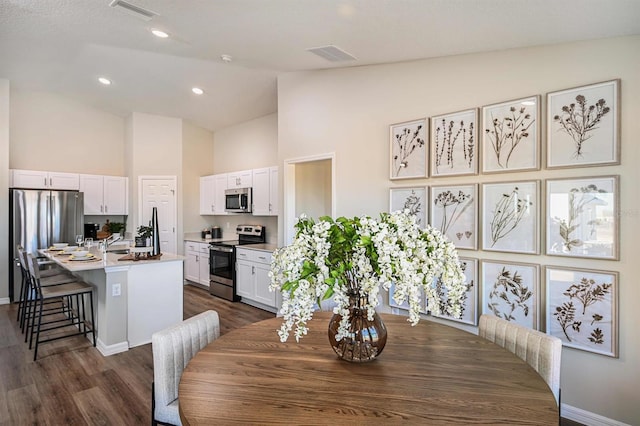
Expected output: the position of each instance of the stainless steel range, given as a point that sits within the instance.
(222, 261)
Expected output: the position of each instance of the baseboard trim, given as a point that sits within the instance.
(588, 418)
(4, 301)
(107, 350)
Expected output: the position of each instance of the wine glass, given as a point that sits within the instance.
(88, 243)
(79, 240)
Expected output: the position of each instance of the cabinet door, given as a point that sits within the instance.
(261, 192)
(70, 181)
(207, 194)
(192, 266)
(116, 195)
(244, 279)
(220, 187)
(262, 281)
(243, 179)
(93, 187)
(203, 264)
(29, 179)
(274, 199)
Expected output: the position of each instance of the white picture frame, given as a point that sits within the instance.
(454, 212)
(470, 297)
(413, 198)
(408, 150)
(453, 146)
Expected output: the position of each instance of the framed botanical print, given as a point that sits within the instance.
(413, 199)
(405, 305)
(469, 299)
(454, 211)
(582, 308)
(408, 150)
(510, 217)
(582, 217)
(453, 144)
(510, 136)
(510, 292)
(583, 126)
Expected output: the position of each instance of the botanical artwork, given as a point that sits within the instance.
(510, 135)
(453, 143)
(582, 217)
(454, 211)
(470, 298)
(583, 126)
(405, 305)
(510, 291)
(408, 150)
(413, 199)
(581, 307)
(510, 217)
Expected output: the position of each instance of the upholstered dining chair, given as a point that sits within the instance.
(173, 348)
(541, 351)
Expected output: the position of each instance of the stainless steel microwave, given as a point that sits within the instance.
(238, 200)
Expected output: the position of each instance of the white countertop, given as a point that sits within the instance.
(104, 262)
(262, 247)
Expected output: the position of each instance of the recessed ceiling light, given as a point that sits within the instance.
(159, 33)
(104, 81)
(197, 90)
(226, 58)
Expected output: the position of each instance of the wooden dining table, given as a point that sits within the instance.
(427, 374)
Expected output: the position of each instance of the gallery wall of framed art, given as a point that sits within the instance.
(538, 234)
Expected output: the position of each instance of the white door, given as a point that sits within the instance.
(161, 193)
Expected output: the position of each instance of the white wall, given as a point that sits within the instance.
(4, 188)
(348, 111)
(51, 132)
(197, 160)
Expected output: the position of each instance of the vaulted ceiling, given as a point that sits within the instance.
(62, 46)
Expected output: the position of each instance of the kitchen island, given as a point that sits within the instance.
(132, 299)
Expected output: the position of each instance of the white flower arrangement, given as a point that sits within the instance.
(350, 256)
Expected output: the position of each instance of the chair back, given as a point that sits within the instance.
(173, 348)
(541, 351)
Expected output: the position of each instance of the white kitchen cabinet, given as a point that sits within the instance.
(212, 194)
(265, 191)
(105, 195)
(34, 179)
(196, 266)
(243, 179)
(252, 278)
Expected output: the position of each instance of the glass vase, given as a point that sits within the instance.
(365, 339)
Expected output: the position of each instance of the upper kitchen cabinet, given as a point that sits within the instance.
(212, 194)
(105, 195)
(242, 179)
(265, 191)
(44, 180)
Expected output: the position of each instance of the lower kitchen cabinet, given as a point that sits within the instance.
(252, 278)
(196, 266)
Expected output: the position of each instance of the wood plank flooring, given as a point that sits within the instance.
(71, 383)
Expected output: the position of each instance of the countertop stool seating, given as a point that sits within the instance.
(53, 276)
(71, 310)
(541, 351)
(173, 348)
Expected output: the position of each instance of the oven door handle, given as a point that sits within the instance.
(222, 249)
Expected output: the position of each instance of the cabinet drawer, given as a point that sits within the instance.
(191, 246)
(204, 250)
(259, 256)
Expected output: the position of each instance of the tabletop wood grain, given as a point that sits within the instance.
(428, 374)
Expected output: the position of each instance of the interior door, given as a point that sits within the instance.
(161, 193)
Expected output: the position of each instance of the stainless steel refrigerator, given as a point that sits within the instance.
(39, 218)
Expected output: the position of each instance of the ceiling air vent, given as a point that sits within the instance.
(332, 53)
(132, 9)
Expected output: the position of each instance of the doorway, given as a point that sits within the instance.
(309, 188)
(160, 192)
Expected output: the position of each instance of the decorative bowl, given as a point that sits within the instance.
(81, 253)
(60, 245)
(69, 249)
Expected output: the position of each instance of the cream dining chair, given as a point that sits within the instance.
(541, 351)
(172, 349)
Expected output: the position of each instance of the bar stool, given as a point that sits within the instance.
(68, 295)
(48, 277)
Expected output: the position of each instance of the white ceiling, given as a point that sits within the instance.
(62, 46)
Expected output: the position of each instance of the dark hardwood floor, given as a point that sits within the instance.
(71, 383)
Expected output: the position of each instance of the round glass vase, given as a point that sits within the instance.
(365, 339)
